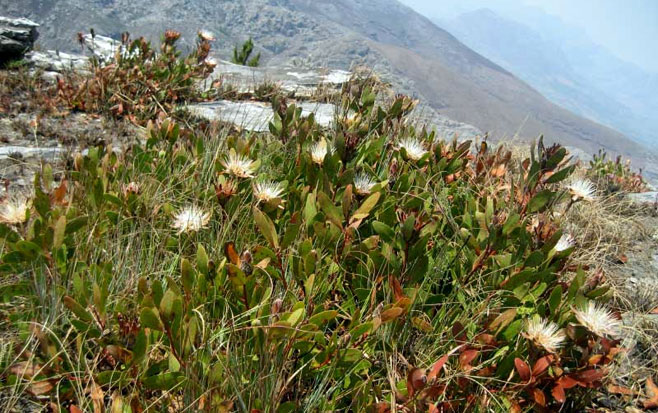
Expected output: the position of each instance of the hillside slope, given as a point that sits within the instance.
(408, 49)
(571, 70)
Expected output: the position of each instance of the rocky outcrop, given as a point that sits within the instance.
(17, 36)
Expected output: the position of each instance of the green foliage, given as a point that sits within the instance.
(615, 176)
(242, 56)
(415, 289)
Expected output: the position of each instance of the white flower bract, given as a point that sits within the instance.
(598, 319)
(13, 211)
(363, 184)
(545, 334)
(206, 35)
(565, 242)
(414, 148)
(239, 166)
(581, 189)
(319, 151)
(191, 219)
(267, 191)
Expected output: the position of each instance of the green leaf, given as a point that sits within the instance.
(139, 349)
(540, 200)
(167, 304)
(75, 224)
(187, 275)
(77, 309)
(163, 381)
(310, 210)
(384, 231)
(555, 299)
(366, 207)
(60, 230)
(202, 259)
(29, 249)
(150, 319)
(513, 330)
(266, 227)
(334, 214)
(322, 317)
(561, 175)
(7, 233)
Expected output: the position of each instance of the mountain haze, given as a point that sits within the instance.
(406, 48)
(567, 67)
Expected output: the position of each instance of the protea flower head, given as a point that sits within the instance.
(131, 188)
(363, 184)
(544, 334)
(239, 166)
(171, 36)
(13, 211)
(598, 319)
(565, 242)
(268, 191)
(581, 189)
(206, 35)
(319, 151)
(225, 189)
(191, 219)
(414, 148)
(210, 62)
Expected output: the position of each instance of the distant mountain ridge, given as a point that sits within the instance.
(567, 67)
(406, 48)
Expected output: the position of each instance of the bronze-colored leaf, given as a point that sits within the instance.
(558, 393)
(522, 368)
(542, 364)
(436, 368)
(466, 358)
(652, 393)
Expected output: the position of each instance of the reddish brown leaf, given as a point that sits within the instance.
(621, 390)
(416, 380)
(587, 378)
(466, 357)
(595, 359)
(522, 368)
(39, 388)
(391, 314)
(539, 396)
(542, 364)
(380, 408)
(398, 293)
(558, 393)
(652, 392)
(459, 332)
(436, 368)
(567, 382)
(432, 409)
(74, 409)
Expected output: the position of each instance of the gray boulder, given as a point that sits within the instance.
(17, 36)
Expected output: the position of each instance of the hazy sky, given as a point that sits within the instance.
(628, 28)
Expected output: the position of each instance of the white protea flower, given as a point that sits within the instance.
(210, 62)
(565, 242)
(13, 211)
(239, 166)
(206, 35)
(414, 148)
(319, 151)
(545, 334)
(191, 219)
(363, 184)
(581, 189)
(598, 319)
(268, 191)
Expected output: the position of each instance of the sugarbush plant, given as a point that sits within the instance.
(366, 267)
(140, 82)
